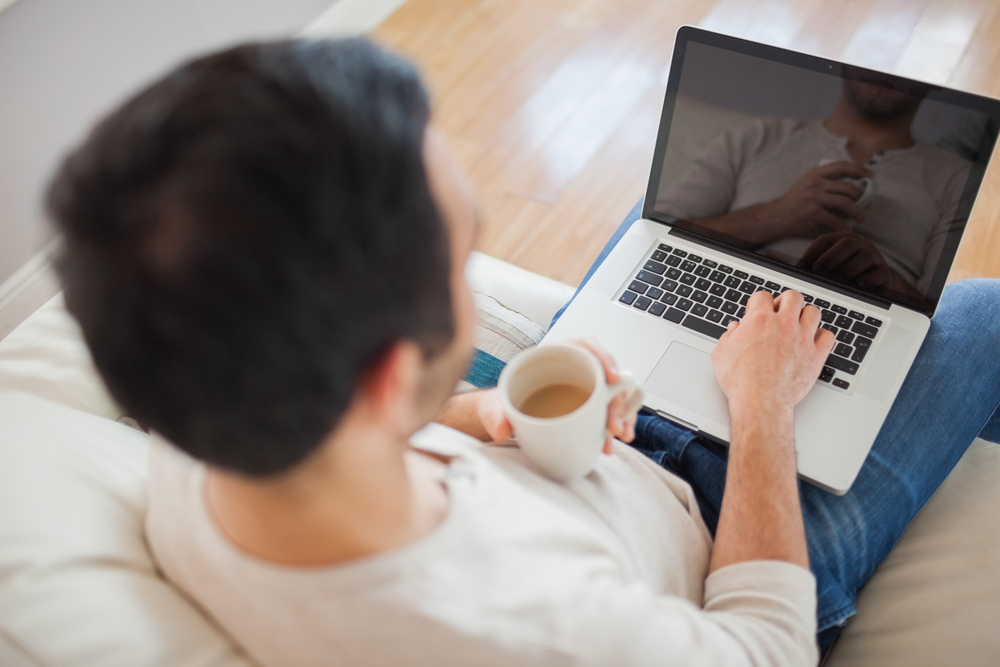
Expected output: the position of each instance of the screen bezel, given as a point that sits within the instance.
(883, 298)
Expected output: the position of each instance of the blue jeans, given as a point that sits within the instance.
(949, 398)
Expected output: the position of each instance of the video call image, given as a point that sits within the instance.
(857, 178)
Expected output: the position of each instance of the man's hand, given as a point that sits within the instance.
(480, 413)
(774, 355)
(766, 364)
(819, 201)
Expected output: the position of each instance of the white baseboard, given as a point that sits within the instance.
(348, 18)
(27, 290)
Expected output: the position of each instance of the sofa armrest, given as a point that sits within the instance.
(534, 296)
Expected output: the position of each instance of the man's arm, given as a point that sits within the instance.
(766, 364)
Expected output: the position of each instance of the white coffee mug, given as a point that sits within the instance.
(567, 447)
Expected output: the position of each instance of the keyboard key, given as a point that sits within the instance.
(842, 364)
(651, 278)
(654, 293)
(845, 336)
(863, 329)
(673, 260)
(874, 322)
(664, 247)
(717, 276)
(856, 315)
(642, 303)
(843, 384)
(733, 295)
(717, 290)
(695, 258)
(688, 265)
(843, 321)
(821, 303)
(637, 286)
(714, 302)
(684, 290)
(840, 310)
(808, 298)
(826, 374)
(829, 327)
(729, 307)
(713, 316)
(669, 285)
(680, 253)
(673, 273)
(785, 289)
(674, 315)
(685, 304)
(744, 300)
(702, 271)
(842, 350)
(743, 275)
(773, 286)
(859, 354)
(657, 309)
(756, 280)
(709, 263)
(863, 342)
(702, 284)
(741, 312)
(725, 269)
(687, 278)
(699, 296)
(732, 281)
(668, 299)
(748, 287)
(658, 256)
(727, 319)
(827, 316)
(628, 297)
(655, 267)
(701, 326)
(699, 309)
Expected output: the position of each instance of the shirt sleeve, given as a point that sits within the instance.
(754, 614)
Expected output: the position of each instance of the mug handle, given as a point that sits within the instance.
(628, 385)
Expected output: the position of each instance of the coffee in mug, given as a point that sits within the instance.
(556, 397)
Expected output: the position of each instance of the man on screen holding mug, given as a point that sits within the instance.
(266, 250)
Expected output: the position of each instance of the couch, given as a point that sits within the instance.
(78, 587)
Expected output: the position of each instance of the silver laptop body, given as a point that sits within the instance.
(665, 293)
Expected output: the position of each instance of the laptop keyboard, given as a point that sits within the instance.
(705, 295)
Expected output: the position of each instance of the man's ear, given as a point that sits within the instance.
(388, 390)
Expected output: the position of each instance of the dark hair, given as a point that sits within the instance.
(244, 237)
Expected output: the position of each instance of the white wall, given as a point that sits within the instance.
(63, 63)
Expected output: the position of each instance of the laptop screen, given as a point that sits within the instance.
(861, 179)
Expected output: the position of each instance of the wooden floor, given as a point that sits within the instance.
(552, 105)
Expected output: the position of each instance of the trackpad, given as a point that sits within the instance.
(684, 376)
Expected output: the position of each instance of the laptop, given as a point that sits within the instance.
(755, 185)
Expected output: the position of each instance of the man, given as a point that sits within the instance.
(265, 251)
(795, 189)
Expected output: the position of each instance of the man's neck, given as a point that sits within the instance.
(866, 137)
(360, 494)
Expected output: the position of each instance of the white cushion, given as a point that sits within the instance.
(936, 598)
(534, 296)
(46, 357)
(77, 585)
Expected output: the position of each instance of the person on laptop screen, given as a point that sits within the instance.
(852, 196)
(265, 251)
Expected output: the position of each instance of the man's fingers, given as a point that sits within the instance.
(845, 188)
(836, 170)
(610, 367)
(825, 341)
(760, 300)
(810, 317)
(820, 246)
(842, 204)
(790, 303)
